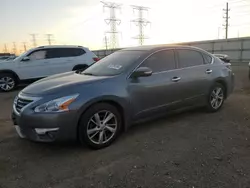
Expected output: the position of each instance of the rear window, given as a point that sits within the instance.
(207, 58)
(64, 52)
(114, 64)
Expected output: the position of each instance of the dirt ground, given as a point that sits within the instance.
(193, 149)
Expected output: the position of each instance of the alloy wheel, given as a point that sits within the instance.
(7, 83)
(216, 98)
(102, 127)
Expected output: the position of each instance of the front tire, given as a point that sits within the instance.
(99, 126)
(216, 98)
(7, 82)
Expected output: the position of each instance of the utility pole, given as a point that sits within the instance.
(226, 20)
(106, 42)
(141, 22)
(24, 46)
(218, 32)
(14, 48)
(34, 40)
(5, 48)
(49, 36)
(112, 21)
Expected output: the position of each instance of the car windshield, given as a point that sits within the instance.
(113, 64)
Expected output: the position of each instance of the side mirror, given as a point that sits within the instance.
(142, 72)
(26, 59)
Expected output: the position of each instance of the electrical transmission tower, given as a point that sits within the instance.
(14, 48)
(24, 46)
(113, 22)
(49, 38)
(34, 40)
(141, 22)
(226, 20)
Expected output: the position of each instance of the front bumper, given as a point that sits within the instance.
(47, 127)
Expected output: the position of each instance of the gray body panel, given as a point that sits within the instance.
(139, 98)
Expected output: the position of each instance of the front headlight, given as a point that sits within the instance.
(57, 105)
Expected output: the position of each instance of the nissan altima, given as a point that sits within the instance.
(131, 85)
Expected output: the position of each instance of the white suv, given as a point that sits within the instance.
(44, 61)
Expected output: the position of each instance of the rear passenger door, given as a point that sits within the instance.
(195, 74)
(63, 59)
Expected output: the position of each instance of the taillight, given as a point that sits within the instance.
(96, 59)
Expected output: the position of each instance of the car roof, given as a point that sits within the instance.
(158, 47)
(61, 46)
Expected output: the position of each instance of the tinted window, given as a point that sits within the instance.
(114, 64)
(37, 55)
(189, 58)
(207, 58)
(64, 52)
(160, 61)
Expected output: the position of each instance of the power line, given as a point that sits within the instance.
(33, 39)
(113, 21)
(226, 20)
(141, 22)
(49, 38)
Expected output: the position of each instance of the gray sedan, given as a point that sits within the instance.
(128, 86)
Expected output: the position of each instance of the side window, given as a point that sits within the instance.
(54, 53)
(64, 52)
(160, 61)
(189, 58)
(77, 51)
(37, 55)
(207, 58)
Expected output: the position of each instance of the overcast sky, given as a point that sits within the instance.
(81, 22)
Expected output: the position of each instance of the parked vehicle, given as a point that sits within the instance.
(130, 85)
(11, 58)
(3, 58)
(223, 57)
(42, 62)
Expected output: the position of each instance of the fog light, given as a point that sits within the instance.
(44, 131)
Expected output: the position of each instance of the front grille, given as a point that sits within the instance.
(20, 103)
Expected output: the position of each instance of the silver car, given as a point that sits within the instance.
(128, 86)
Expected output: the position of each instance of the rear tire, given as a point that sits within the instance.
(216, 97)
(8, 82)
(99, 126)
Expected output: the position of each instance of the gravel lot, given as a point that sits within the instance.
(190, 149)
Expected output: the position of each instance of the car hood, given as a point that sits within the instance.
(61, 82)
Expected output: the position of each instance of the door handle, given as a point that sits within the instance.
(209, 71)
(176, 79)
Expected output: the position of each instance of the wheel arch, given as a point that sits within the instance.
(7, 71)
(112, 101)
(223, 83)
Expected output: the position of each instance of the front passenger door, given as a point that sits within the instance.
(35, 66)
